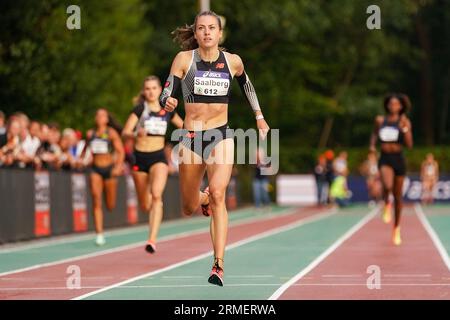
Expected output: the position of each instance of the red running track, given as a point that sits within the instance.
(105, 270)
(414, 270)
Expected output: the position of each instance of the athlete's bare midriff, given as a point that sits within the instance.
(391, 148)
(149, 143)
(205, 116)
(103, 160)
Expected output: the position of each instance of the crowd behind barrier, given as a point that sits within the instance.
(48, 203)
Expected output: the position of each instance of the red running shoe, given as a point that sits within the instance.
(216, 276)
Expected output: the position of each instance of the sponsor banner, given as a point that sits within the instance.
(79, 202)
(132, 212)
(296, 189)
(42, 204)
(302, 189)
(412, 189)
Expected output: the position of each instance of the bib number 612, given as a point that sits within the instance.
(210, 91)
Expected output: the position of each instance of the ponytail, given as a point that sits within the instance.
(184, 36)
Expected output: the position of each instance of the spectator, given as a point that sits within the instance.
(369, 170)
(339, 190)
(30, 143)
(3, 137)
(10, 149)
(260, 181)
(66, 160)
(320, 172)
(429, 175)
(49, 151)
(329, 156)
(340, 164)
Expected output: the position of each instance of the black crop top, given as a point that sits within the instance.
(101, 144)
(154, 123)
(390, 132)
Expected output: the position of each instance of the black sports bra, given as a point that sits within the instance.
(390, 132)
(207, 82)
(100, 144)
(154, 123)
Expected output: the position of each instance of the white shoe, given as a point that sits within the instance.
(100, 240)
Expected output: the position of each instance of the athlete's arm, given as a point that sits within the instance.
(177, 121)
(405, 126)
(374, 135)
(244, 83)
(167, 98)
(249, 91)
(119, 151)
(131, 123)
(86, 145)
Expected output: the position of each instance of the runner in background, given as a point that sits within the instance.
(429, 175)
(148, 123)
(105, 145)
(394, 131)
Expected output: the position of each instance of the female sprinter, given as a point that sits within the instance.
(150, 169)
(205, 73)
(105, 144)
(429, 175)
(393, 131)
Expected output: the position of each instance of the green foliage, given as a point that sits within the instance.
(310, 61)
(53, 73)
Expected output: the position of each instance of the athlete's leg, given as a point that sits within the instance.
(142, 189)
(219, 174)
(398, 193)
(158, 178)
(191, 175)
(398, 198)
(96, 183)
(111, 193)
(387, 180)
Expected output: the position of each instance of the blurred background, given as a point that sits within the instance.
(319, 72)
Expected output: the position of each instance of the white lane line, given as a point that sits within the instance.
(434, 237)
(341, 276)
(252, 276)
(407, 275)
(256, 237)
(228, 276)
(65, 239)
(237, 285)
(324, 255)
(162, 239)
